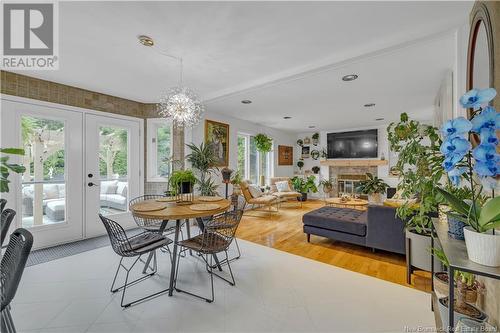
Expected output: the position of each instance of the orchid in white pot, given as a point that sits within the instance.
(480, 167)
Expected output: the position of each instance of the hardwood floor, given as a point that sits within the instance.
(283, 231)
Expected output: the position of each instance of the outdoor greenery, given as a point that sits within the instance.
(419, 164)
(163, 139)
(113, 151)
(372, 185)
(203, 161)
(302, 185)
(178, 177)
(241, 154)
(263, 143)
(236, 178)
(6, 167)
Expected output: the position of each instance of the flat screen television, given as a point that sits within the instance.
(355, 144)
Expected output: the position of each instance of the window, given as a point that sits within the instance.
(251, 163)
(159, 136)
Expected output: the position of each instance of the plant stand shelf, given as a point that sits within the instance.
(456, 253)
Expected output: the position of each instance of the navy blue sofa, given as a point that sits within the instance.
(378, 227)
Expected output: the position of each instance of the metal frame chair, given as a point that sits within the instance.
(11, 268)
(6, 220)
(3, 202)
(135, 246)
(217, 235)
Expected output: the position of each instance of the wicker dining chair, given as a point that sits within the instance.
(3, 202)
(11, 268)
(135, 246)
(217, 235)
(6, 220)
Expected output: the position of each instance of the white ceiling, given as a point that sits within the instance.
(252, 50)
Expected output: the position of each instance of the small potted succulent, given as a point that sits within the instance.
(303, 186)
(374, 187)
(300, 164)
(300, 142)
(315, 138)
(315, 169)
(480, 167)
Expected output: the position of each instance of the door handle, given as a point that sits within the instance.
(92, 184)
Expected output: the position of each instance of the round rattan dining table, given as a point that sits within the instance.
(167, 210)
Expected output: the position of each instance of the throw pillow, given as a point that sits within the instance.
(283, 186)
(109, 186)
(122, 189)
(254, 191)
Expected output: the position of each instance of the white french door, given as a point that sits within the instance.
(48, 196)
(112, 170)
(79, 163)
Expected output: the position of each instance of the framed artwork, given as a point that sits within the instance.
(217, 138)
(285, 155)
(305, 151)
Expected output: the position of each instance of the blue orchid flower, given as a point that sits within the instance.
(451, 160)
(489, 183)
(476, 98)
(455, 145)
(488, 118)
(488, 136)
(457, 126)
(486, 153)
(455, 175)
(487, 169)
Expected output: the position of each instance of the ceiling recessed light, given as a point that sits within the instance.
(369, 105)
(146, 40)
(246, 101)
(312, 126)
(350, 77)
(379, 119)
(287, 117)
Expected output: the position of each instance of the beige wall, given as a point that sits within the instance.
(29, 87)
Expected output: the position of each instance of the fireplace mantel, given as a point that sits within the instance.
(354, 162)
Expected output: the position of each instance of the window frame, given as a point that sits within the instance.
(152, 125)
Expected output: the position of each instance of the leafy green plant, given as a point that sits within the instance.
(315, 136)
(300, 164)
(372, 185)
(6, 167)
(300, 142)
(203, 160)
(180, 176)
(302, 185)
(236, 178)
(315, 169)
(263, 143)
(419, 164)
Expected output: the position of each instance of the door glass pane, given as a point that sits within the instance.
(254, 159)
(43, 183)
(113, 169)
(242, 155)
(163, 153)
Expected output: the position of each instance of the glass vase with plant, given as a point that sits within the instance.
(374, 187)
(203, 161)
(315, 138)
(480, 167)
(304, 186)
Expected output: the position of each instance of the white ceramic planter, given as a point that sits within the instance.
(483, 248)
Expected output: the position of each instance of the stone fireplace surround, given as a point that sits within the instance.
(336, 173)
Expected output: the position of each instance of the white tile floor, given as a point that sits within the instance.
(275, 292)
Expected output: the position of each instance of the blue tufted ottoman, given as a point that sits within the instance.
(343, 224)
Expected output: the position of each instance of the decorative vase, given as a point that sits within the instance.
(483, 248)
(375, 198)
(455, 227)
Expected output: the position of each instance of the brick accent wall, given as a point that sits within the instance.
(30, 87)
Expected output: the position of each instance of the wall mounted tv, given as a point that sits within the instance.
(355, 144)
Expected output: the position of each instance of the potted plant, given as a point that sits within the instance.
(323, 155)
(300, 142)
(315, 169)
(263, 143)
(182, 181)
(304, 186)
(235, 181)
(300, 164)
(419, 164)
(203, 160)
(327, 186)
(479, 167)
(374, 187)
(6, 167)
(315, 138)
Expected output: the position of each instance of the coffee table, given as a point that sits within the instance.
(360, 204)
